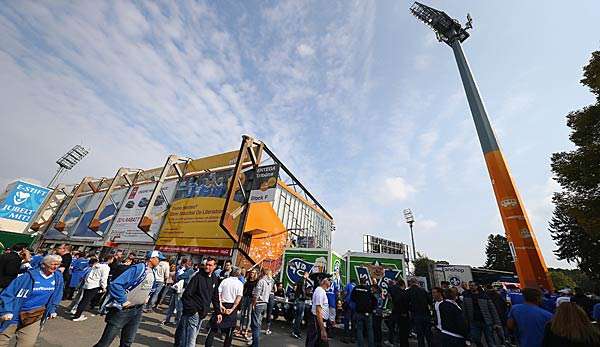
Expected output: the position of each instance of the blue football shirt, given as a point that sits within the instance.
(531, 321)
(43, 288)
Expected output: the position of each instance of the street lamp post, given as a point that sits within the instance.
(410, 219)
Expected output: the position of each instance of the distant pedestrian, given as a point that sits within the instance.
(231, 291)
(260, 299)
(399, 323)
(128, 294)
(349, 311)
(420, 312)
(10, 263)
(162, 275)
(570, 327)
(316, 331)
(201, 291)
(300, 290)
(450, 322)
(365, 304)
(246, 313)
(28, 301)
(94, 283)
(64, 251)
(481, 315)
(378, 314)
(529, 320)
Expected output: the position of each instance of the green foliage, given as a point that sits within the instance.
(562, 280)
(422, 265)
(575, 225)
(498, 256)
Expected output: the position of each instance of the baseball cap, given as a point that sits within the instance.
(155, 254)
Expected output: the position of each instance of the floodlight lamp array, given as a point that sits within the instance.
(72, 157)
(446, 29)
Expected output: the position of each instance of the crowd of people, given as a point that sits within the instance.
(230, 302)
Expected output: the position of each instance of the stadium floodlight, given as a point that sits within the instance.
(529, 261)
(410, 220)
(68, 161)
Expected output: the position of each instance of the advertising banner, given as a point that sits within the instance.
(193, 219)
(455, 274)
(338, 270)
(298, 261)
(264, 184)
(375, 268)
(71, 217)
(18, 205)
(106, 216)
(124, 228)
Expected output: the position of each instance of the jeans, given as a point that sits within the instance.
(349, 323)
(364, 321)
(270, 306)
(256, 322)
(155, 294)
(174, 305)
(477, 328)
(300, 305)
(187, 330)
(377, 332)
(422, 326)
(88, 295)
(245, 314)
(125, 322)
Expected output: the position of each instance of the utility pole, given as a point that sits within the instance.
(529, 261)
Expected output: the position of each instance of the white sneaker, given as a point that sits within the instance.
(268, 332)
(80, 319)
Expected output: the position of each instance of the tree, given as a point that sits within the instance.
(422, 265)
(575, 225)
(561, 280)
(498, 254)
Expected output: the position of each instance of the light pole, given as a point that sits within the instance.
(68, 161)
(410, 219)
(529, 261)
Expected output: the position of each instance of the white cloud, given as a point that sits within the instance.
(305, 50)
(426, 224)
(422, 62)
(396, 188)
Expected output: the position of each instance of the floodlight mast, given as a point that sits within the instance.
(528, 258)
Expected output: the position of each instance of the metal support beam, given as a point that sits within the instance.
(60, 224)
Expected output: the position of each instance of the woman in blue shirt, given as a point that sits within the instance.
(29, 300)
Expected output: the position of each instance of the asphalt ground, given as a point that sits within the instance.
(62, 331)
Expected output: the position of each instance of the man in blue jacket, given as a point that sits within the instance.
(128, 294)
(29, 300)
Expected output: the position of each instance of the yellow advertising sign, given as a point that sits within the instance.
(192, 223)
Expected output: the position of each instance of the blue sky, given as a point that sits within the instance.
(357, 97)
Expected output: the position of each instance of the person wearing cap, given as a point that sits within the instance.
(316, 331)
(162, 275)
(128, 294)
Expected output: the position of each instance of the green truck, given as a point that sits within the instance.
(297, 261)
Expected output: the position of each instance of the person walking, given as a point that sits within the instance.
(231, 291)
(129, 292)
(247, 303)
(162, 275)
(481, 314)
(529, 320)
(79, 269)
(64, 251)
(502, 309)
(399, 321)
(316, 330)
(365, 304)
(378, 314)
(28, 301)
(260, 299)
(201, 291)
(182, 278)
(94, 283)
(300, 291)
(226, 272)
(10, 264)
(349, 311)
(570, 327)
(419, 302)
(450, 321)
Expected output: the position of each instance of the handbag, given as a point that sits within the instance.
(31, 316)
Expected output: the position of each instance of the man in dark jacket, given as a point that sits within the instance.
(481, 315)
(365, 304)
(200, 292)
(450, 321)
(10, 263)
(419, 302)
(399, 320)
